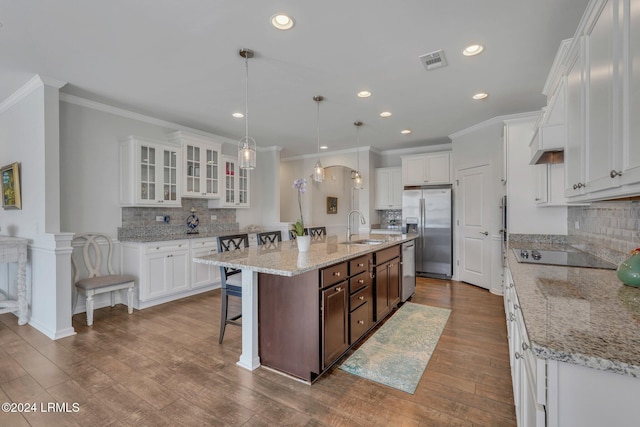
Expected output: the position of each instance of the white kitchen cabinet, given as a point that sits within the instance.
(548, 183)
(574, 126)
(235, 182)
(388, 188)
(426, 169)
(528, 373)
(203, 274)
(201, 165)
(165, 270)
(149, 172)
(603, 86)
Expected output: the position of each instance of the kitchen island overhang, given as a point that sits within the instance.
(284, 259)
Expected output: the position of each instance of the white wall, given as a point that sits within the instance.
(524, 216)
(22, 130)
(89, 166)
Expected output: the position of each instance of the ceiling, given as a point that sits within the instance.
(178, 61)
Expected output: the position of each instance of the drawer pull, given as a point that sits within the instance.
(360, 322)
(361, 281)
(360, 264)
(615, 173)
(336, 273)
(525, 346)
(361, 297)
(338, 289)
(516, 306)
(512, 317)
(518, 355)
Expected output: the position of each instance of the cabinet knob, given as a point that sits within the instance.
(160, 201)
(360, 322)
(361, 297)
(336, 273)
(518, 355)
(615, 173)
(361, 281)
(511, 317)
(338, 289)
(525, 346)
(537, 199)
(516, 306)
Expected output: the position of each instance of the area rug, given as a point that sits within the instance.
(397, 353)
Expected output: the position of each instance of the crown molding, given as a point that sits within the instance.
(491, 122)
(328, 153)
(417, 150)
(32, 84)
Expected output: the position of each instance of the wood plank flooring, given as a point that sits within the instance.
(163, 367)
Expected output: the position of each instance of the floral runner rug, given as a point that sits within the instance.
(397, 353)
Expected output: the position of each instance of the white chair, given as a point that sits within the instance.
(98, 280)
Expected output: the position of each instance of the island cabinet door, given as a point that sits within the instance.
(382, 291)
(394, 282)
(335, 322)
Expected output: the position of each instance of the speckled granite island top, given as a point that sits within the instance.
(284, 259)
(584, 316)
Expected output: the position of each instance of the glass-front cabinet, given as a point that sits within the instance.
(149, 172)
(201, 157)
(236, 185)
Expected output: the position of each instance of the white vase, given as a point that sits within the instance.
(303, 243)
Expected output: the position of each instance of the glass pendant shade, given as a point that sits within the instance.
(318, 172)
(357, 181)
(247, 153)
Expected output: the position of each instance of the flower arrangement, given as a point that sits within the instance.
(301, 186)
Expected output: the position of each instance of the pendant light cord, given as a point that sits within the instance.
(246, 99)
(318, 123)
(358, 147)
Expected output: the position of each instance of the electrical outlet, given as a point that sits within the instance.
(214, 217)
(577, 225)
(160, 218)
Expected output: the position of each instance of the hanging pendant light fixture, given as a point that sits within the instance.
(357, 177)
(318, 170)
(246, 145)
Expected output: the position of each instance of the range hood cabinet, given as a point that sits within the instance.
(547, 145)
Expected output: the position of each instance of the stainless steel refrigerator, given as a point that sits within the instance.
(427, 210)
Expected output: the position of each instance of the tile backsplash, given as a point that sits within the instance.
(391, 218)
(141, 222)
(611, 227)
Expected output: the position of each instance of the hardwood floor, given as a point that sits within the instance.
(163, 366)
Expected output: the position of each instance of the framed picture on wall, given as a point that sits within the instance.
(10, 181)
(332, 205)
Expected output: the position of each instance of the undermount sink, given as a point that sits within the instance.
(364, 242)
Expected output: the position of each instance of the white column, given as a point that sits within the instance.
(250, 357)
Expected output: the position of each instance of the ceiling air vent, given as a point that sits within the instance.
(433, 60)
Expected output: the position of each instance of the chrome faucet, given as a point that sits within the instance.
(362, 221)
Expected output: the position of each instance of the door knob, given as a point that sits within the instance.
(486, 233)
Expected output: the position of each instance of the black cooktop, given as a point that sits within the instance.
(565, 258)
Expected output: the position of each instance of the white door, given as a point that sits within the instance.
(473, 226)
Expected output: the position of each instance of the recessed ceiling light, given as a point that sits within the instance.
(480, 95)
(385, 114)
(238, 115)
(323, 147)
(472, 50)
(364, 94)
(282, 21)
(405, 131)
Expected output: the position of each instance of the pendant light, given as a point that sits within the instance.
(357, 178)
(246, 145)
(318, 170)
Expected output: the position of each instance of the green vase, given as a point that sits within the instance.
(629, 270)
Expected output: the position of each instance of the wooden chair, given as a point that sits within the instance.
(269, 237)
(99, 280)
(230, 279)
(317, 232)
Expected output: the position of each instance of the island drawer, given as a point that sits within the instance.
(387, 254)
(359, 281)
(334, 274)
(359, 265)
(360, 322)
(362, 296)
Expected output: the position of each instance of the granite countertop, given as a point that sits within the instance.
(584, 316)
(185, 236)
(284, 259)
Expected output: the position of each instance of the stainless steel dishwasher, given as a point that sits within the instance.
(408, 270)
